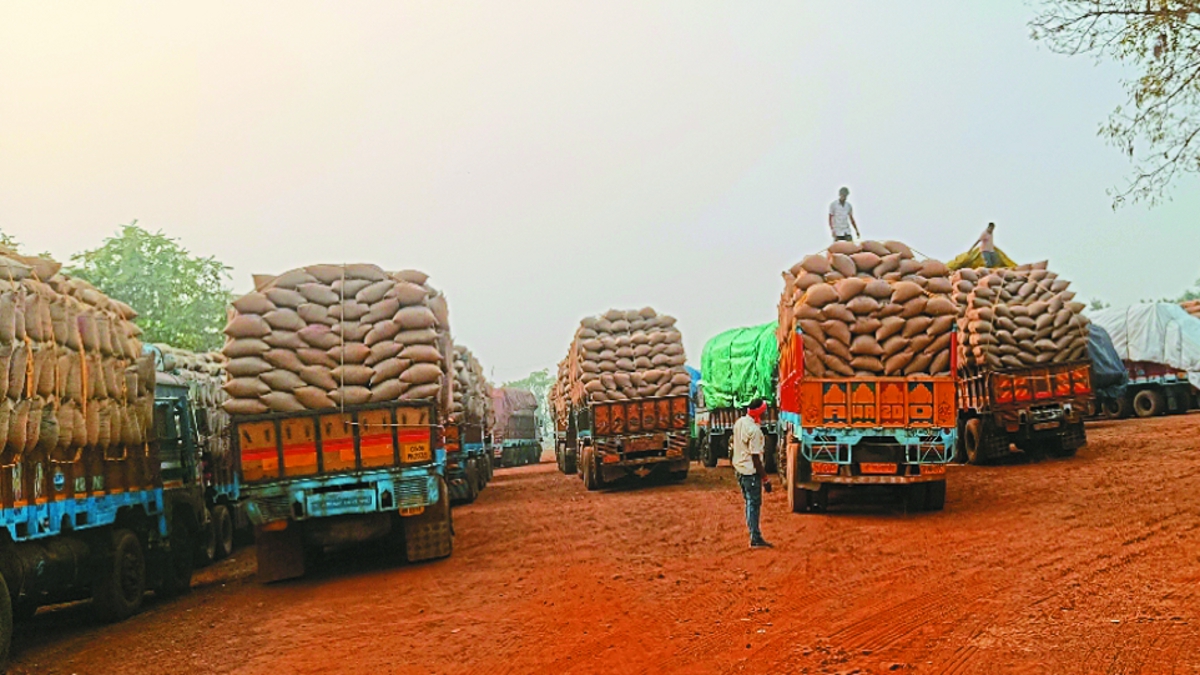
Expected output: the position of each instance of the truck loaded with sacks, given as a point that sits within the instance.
(866, 374)
(203, 374)
(340, 379)
(517, 439)
(469, 429)
(99, 489)
(1024, 374)
(622, 399)
(1159, 345)
(736, 367)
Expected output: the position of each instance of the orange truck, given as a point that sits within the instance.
(846, 433)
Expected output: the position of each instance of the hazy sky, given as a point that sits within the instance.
(543, 161)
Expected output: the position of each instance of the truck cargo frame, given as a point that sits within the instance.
(637, 437)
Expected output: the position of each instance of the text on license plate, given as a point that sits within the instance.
(645, 443)
(1045, 425)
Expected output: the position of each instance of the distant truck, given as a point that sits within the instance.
(848, 433)
(1037, 409)
(327, 478)
(106, 524)
(1160, 345)
(517, 439)
(468, 460)
(611, 440)
(736, 367)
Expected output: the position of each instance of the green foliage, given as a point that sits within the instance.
(538, 382)
(1098, 304)
(1191, 293)
(1158, 128)
(10, 242)
(181, 298)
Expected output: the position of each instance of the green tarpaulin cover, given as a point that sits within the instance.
(738, 366)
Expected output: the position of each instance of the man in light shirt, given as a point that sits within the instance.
(841, 217)
(987, 246)
(747, 457)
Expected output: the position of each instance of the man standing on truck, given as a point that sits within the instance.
(841, 217)
(987, 246)
(747, 457)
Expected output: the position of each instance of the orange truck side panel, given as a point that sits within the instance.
(883, 402)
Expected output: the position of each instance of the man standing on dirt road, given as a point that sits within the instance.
(841, 217)
(747, 459)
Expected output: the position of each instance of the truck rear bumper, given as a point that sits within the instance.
(872, 480)
(356, 494)
(644, 467)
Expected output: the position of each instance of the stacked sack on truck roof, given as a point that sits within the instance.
(75, 375)
(1191, 307)
(1017, 318)
(472, 398)
(869, 309)
(326, 336)
(624, 355)
(204, 372)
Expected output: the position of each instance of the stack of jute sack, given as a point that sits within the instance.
(869, 309)
(74, 372)
(624, 355)
(204, 372)
(559, 396)
(1017, 318)
(472, 399)
(1192, 307)
(326, 336)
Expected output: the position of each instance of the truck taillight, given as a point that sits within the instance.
(1062, 384)
(1021, 389)
(824, 467)
(1004, 389)
(1083, 380)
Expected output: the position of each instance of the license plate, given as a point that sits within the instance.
(877, 467)
(1041, 426)
(411, 453)
(335, 503)
(646, 443)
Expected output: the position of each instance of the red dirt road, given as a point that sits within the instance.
(1087, 565)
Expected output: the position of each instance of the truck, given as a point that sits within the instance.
(103, 524)
(1159, 343)
(517, 439)
(323, 479)
(468, 460)
(1038, 409)
(639, 437)
(736, 367)
(203, 375)
(898, 432)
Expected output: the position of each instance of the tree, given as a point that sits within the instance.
(1158, 127)
(180, 298)
(1097, 304)
(538, 382)
(1191, 293)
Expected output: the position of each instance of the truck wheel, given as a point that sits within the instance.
(6, 623)
(1112, 408)
(180, 561)
(471, 478)
(206, 544)
(222, 525)
(914, 497)
(817, 501)
(973, 441)
(935, 496)
(1148, 403)
(769, 463)
(708, 457)
(121, 578)
(570, 463)
(430, 535)
(590, 480)
(797, 502)
(1124, 407)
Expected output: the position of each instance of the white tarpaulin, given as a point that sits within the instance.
(1159, 332)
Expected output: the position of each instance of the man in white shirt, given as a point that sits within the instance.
(987, 246)
(747, 458)
(841, 217)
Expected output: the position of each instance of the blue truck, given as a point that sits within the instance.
(323, 479)
(106, 524)
(468, 461)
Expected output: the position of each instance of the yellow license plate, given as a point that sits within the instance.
(933, 469)
(877, 467)
(412, 511)
(411, 453)
(824, 467)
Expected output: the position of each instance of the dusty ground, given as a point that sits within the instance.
(1088, 565)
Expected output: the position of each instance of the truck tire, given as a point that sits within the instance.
(791, 477)
(973, 441)
(6, 624)
(1124, 407)
(121, 578)
(1112, 408)
(206, 544)
(935, 496)
(570, 462)
(1148, 403)
(707, 456)
(817, 501)
(471, 478)
(430, 535)
(591, 478)
(770, 465)
(180, 560)
(222, 525)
